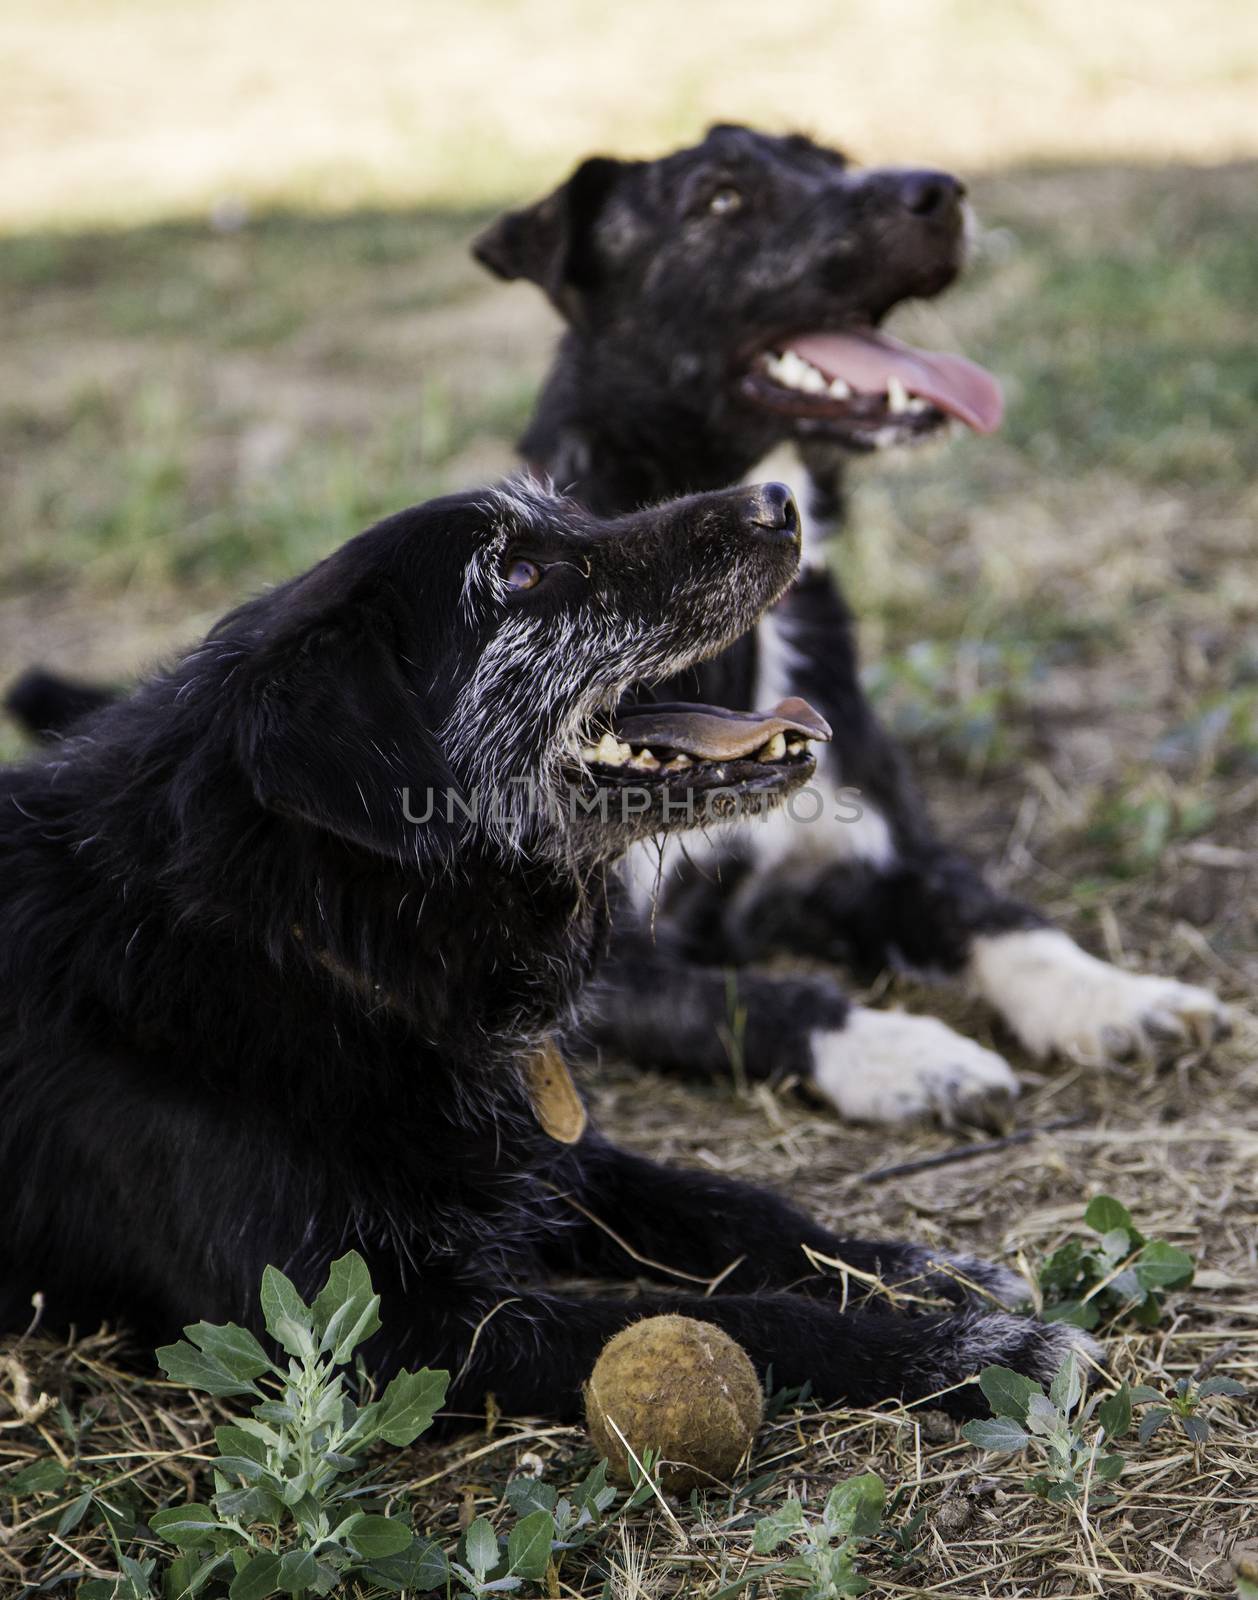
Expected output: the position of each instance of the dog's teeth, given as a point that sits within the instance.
(610, 752)
(916, 406)
(793, 372)
(840, 390)
(790, 368)
(644, 760)
(773, 750)
(794, 747)
(897, 397)
(680, 760)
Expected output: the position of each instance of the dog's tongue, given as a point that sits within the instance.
(710, 733)
(867, 360)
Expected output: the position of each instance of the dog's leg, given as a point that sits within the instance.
(631, 1216)
(651, 1006)
(925, 912)
(533, 1352)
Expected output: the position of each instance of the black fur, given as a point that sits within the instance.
(251, 1013)
(46, 703)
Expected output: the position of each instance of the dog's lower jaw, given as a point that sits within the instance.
(1059, 1000)
(605, 822)
(890, 1067)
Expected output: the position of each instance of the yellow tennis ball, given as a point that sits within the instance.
(679, 1386)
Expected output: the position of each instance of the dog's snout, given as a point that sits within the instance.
(933, 196)
(771, 506)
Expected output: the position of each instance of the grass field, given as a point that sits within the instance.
(1062, 621)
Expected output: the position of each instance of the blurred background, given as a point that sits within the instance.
(241, 321)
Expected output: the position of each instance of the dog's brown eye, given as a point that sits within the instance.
(724, 201)
(523, 575)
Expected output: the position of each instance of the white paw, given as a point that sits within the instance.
(888, 1066)
(1059, 1000)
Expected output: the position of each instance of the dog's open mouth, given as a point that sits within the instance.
(680, 746)
(871, 389)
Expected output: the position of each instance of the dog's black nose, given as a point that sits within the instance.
(771, 506)
(927, 194)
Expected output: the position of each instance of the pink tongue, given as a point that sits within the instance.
(867, 360)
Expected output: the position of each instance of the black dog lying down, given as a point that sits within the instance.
(286, 929)
(720, 301)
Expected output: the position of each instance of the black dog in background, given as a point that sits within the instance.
(288, 930)
(720, 301)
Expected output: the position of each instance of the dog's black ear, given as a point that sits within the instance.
(552, 243)
(336, 737)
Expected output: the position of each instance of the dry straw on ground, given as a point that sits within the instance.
(1174, 1143)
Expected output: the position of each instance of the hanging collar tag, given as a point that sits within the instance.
(556, 1103)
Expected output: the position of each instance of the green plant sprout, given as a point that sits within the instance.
(1182, 1406)
(821, 1563)
(1119, 1275)
(286, 1515)
(96, 1502)
(1057, 1429)
(549, 1525)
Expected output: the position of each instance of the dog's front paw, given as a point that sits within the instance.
(965, 1344)
(890, 1067)
(1059, 1000)
(961, 1277)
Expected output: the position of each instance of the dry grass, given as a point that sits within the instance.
(1190, 1174)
